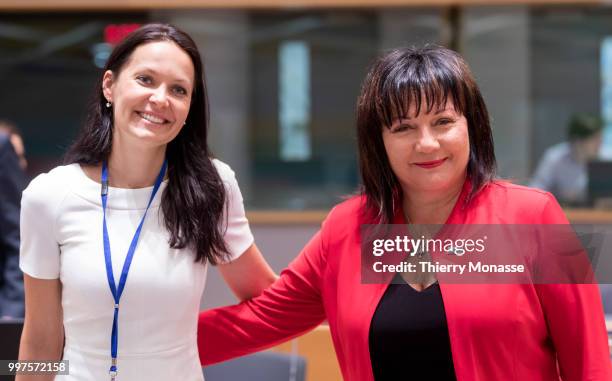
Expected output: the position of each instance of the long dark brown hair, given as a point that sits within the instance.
(193, 202)
(424, 78)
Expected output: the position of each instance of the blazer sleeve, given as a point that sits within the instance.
(289, 307)
(11, 278)
(575, 320)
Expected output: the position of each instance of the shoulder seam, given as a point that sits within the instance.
(56, 210)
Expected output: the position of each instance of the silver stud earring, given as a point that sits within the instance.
(108, 104)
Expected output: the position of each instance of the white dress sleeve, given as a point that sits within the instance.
(39, 254)
(237, 233)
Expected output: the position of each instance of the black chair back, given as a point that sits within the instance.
(10, 334)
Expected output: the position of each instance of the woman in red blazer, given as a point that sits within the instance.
(426, 157)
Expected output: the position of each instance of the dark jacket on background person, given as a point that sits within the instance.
(12, 182)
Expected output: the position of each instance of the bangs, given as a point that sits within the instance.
(419, 85)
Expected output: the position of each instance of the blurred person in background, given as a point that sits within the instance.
(563, 168)
(426, 157)
(12, 182)
(16, 140)
(85, 225)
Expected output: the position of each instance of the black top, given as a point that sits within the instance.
(409, 335)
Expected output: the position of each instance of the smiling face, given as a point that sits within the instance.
(429, 152)
(151, 94)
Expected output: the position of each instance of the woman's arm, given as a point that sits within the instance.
(291, 306)
(248, 275)
(574, 315)
(575, 320)
(39, 259)
(43, 332)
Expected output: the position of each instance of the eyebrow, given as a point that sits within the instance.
(438, 112)
(153, 71)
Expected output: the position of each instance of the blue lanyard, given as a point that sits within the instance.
(118, 290)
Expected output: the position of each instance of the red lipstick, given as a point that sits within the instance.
(430, 164)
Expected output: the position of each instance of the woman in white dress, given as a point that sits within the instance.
(139, 196)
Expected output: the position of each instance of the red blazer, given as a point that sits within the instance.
(497, 332)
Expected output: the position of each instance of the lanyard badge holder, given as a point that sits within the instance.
(117, 290)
